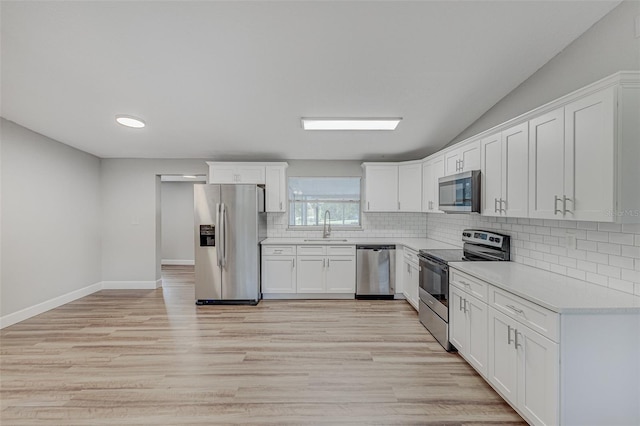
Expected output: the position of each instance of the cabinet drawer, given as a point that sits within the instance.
(279, 250)
(410, 255)
(534, 316)
(341, 250)
(469, 284)
(311, 250)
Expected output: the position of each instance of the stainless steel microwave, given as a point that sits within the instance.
(460, 193)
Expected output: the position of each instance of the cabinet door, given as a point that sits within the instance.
(470, 156)
(427, 187)
(410, 187)
(222, 174)
(250, 174)
(503, 357)
(538, 379)
(515, 171)
(341, 274)
(492, 177)
(452, 162)
(275, 188)
(278, 274)
(477, 327)
(589, 157)
(410, 293)
(546, 164)
(414, 275)
(381, 188)
(311, 274)
(437, 172)
(458, 321)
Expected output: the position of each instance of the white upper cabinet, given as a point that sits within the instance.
(463, 158)
(236, 172)
(504, 169)
(410, 187)
(393, 187)
(276, 188)
(572, 160)
(589, 162)
(381, 187)
(546, 165)
(432, 170)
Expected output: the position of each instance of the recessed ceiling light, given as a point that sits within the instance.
(129, 121)
(350, 123)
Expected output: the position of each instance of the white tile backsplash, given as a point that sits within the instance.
(374, 225)
(606, 254)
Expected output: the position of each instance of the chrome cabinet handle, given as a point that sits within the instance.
(460, 304)
(398, 205)
(505, 205)
(464, 283)
(509, 334)
(462, 164)
(495, 205)
(465, 306)
(564, 204)
(280, 205)
(368, 206)
(328, 263)
(324, 263)
(514, 309)
(293, 264)
(517, 345)
(555, 204)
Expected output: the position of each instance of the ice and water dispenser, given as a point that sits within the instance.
(207, 235)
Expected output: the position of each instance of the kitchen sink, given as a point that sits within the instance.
(327, 240)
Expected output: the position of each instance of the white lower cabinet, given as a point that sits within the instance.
(314, 269)
(468, 328)
(279, 274)
(410, 277)
(523, 367)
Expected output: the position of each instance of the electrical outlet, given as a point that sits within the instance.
(570, 240)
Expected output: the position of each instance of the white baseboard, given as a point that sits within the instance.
(131, 285)
(32, 311)
(186, 262)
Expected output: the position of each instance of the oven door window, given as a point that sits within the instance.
(435, 280)
(456, 193)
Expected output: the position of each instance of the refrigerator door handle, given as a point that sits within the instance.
(223, 226)
(217, 236)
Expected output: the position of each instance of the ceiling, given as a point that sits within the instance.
(230, 80)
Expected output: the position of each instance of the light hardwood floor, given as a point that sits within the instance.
(153, 357)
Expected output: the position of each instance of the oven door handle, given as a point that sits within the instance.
(443, 266)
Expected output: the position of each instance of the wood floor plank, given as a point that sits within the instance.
(153, 357)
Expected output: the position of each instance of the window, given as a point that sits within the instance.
(310, 197)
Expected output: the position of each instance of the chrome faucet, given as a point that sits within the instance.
(326, 231)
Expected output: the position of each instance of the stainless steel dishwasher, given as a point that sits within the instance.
(375, 271)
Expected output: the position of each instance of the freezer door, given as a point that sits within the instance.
(208, 284)
(241, 251)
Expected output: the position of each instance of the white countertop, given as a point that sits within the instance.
(553, 291)
(413, 243)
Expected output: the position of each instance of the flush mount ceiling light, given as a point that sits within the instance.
(130, 121)
(350, 123)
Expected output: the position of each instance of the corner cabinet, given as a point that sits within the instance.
(393, 187)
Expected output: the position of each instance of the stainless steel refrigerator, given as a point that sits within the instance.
(230, 223)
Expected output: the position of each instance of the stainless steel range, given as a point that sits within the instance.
(479, 245)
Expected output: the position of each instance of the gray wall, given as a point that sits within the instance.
(177, 222)
(607, 47)
(131, 212)
(51, 219)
